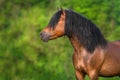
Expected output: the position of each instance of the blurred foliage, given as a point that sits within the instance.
(23, 56)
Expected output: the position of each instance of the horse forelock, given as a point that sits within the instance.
(54, 20)
(86, 32)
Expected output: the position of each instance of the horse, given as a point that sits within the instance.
(93, 55)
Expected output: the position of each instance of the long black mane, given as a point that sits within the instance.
(83, 29)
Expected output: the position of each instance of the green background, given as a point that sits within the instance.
(23, 56)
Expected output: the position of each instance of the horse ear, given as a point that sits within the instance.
(61, 8)
(63, 12)
(58, 8)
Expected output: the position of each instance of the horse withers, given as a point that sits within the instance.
(93, 55)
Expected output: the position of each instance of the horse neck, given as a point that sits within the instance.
(76, 45)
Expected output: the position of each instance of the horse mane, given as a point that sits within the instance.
(83, 29)
(86, 31)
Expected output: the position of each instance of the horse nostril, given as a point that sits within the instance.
(41, 34)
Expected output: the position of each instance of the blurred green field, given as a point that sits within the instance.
(23, 56)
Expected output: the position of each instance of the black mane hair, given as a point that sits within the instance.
(83, 29)
(55, 18)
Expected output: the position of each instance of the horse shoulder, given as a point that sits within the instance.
(97, 59)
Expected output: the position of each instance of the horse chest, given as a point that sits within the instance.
(80, 62)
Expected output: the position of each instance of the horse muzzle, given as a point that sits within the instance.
(44, 36)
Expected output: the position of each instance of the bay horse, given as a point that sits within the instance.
(93, 54)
